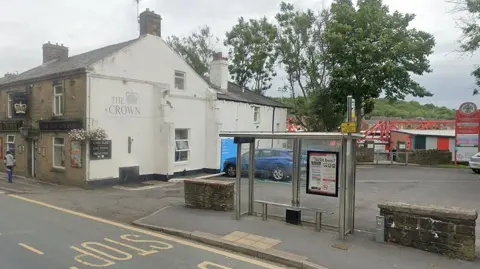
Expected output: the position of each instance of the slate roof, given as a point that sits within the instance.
(236, 94)
(80, 61)
(84, 60)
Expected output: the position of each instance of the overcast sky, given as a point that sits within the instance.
(88, 24)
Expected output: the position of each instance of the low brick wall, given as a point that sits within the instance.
(445, 230)
(426, 157)
(209, 194)
(364, 154)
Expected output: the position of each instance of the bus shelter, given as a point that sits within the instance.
(334, 169)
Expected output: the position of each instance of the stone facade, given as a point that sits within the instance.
(443, 230)
(39, 146)
(209, 194)
(426, 157)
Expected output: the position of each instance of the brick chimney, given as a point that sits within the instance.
(54, 51)
(219, 74)
(150, 23)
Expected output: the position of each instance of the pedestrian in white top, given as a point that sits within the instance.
(9, 162)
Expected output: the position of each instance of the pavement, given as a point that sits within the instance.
(38, 235)
(162, 203)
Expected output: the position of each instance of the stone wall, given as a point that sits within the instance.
(209, 194)
(364, 154)
(444, 230)
(426, 157)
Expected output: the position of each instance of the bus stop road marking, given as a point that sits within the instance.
(153, 234)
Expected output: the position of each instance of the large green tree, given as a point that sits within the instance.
(371, 51)
(469, 24)
(197, 49)
(301, 51)
(252, 53)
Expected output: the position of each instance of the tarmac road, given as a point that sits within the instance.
(42, 236)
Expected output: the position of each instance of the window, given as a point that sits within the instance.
(9, 106)
(58, 100)
(10, 144)
(58, 152)
(256, 114)
(182, 147)
(179, 80)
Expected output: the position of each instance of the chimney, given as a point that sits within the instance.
(150, 23)
(54, 51)
(219, 74)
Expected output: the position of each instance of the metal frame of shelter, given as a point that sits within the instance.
(346, 177)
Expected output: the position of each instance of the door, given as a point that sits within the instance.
(32, 149)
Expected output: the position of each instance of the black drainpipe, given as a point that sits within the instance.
(273, 124)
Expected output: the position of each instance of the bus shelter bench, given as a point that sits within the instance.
(318, 212)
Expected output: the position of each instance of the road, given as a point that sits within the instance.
(42, 236)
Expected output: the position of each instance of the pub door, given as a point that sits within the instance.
(32, 149)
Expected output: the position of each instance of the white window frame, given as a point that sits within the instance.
(182, 150)
(8, 143)
(180, 75)
(9, 106)
(53, 152)
(59, 96)
(256, 114)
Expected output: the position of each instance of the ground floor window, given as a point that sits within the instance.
(10, 144)
(58, 152)
(182, 146)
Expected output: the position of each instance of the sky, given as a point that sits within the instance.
(89, 24)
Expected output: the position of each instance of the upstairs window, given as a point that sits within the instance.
(179, 80)
(58, 108)
(256, 114)
(9, 106)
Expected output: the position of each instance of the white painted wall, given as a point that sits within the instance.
(138, 68)
(236, 116)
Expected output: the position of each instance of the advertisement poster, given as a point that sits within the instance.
(322, 173)
(76, 154)
(467, 129)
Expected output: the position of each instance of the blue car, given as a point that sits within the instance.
(277, 163)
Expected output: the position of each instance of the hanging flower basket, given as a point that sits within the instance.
(97, 134)
(78, 135)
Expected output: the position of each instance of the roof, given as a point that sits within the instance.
(448, 133)
(80, 61)
(235, 93)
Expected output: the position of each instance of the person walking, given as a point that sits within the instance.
(9, 161)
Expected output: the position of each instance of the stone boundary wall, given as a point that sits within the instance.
(426, 157)
(209, 194)
(448, 231)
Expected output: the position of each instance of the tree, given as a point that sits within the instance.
(469, 25)
(196, 49)
(371, 51)
(301, 51)
(252, 53)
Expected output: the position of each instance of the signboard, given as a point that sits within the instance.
(76, 154)
(322, 173)
(100, 149)
(59, 125)
(10, 126)
(467, 127)
(18, 103)
(349, 127)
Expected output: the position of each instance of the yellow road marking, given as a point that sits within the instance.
(151, 233)
(32, 249)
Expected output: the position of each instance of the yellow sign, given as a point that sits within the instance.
(349, 127)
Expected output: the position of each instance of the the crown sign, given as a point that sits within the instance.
(20, 108)
(131, 98)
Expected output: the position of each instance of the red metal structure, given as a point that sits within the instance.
(381, 130)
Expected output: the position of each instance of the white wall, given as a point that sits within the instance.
(121, 119)
(148, 62)
(236, 116)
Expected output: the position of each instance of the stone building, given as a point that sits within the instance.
(162, 118)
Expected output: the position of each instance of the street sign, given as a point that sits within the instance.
(349, 127)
